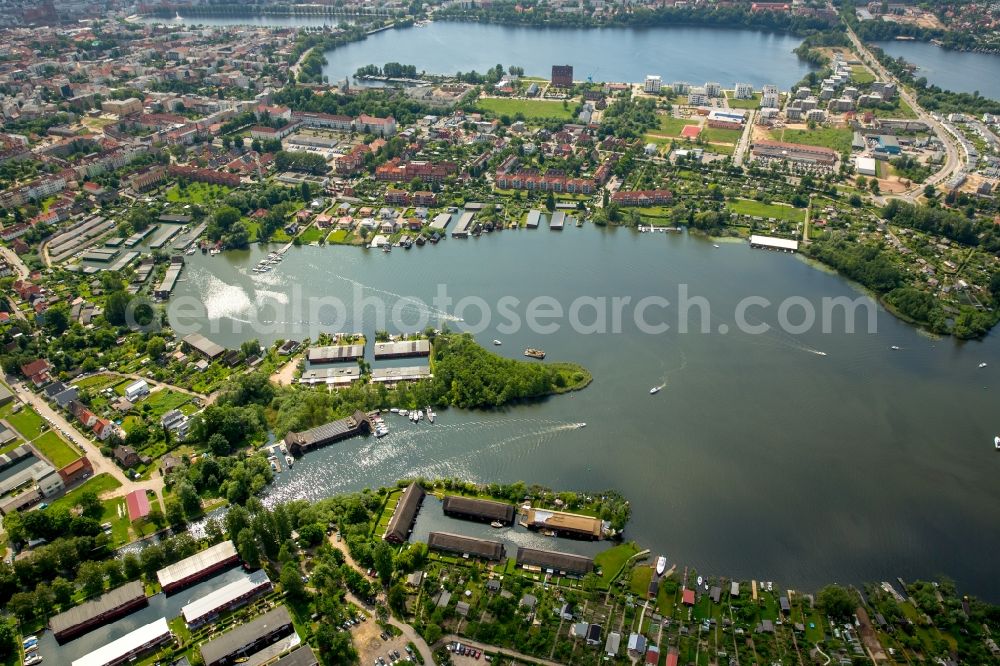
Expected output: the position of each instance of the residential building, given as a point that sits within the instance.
(653, 83)
(562, 76)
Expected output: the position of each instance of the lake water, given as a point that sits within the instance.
(685, 53)
(759, 458)
(606, 54)
(952, 70)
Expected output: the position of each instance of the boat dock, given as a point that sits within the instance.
(557, 221)
(123, 261)
(162, 292)
(534, 216)
(772, 243)
(138, 236)
(184, 241)
(463, 226)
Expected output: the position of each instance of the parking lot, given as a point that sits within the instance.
(461, 654)
(375, 647)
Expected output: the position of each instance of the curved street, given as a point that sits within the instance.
(952, 159)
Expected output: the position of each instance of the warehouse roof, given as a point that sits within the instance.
(471, 506)
(116, 598)
(190, 566)
(457, 543)
(550, 559)
(115, 650)
(245, 634)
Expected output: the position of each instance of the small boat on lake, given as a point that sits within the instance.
(290, 460)
(531, 352)
(655, 390)
(894, 347)
(661, 565)
(996, 442)
(983, 364)
(496, 524)
(581, 424)
(497, 343)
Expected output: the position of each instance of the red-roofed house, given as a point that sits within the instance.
(689, 597)
(76, 471)
(103, 428)
(373, 125)
(671, 658)
(37, 371)
(138, 504)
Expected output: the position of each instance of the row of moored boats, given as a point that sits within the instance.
(31, 655)
(267, 263)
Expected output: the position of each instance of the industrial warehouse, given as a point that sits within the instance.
(129, 647)
(564, 524)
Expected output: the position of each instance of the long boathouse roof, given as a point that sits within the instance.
(405, 514)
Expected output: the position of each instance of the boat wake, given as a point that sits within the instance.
(411, 301)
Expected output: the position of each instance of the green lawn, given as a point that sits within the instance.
(160, 402)
(828, 137)
(529, 108)
(671, 126)
(759, 209)
(98, 484)
(59, 452)
(312, 235)
(613, 559)
(745, 103)
(27, 422)
(861, 75)
(641, 577)
(338, 236)
(196, 193)
(720, 135)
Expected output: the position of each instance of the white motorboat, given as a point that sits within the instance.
(497, 343)
(654, 390)
(430, 414)
(403, 412)
(290, 460)
(983, 364)
(894, 347)
(420, 414)
(996, 442)
(581, 424)
(715, 245)
(28, 640)
(700, 581)
(394, 410)
(661, 565)
(496, 524)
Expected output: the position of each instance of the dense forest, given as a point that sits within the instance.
(382, 103)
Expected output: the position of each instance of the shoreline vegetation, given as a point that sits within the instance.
(466, 376)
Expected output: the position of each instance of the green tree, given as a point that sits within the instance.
(383, 562)
(91, 505)
(247, 546)
(155, 347)
(291, 582)
(90, 576)
(837, 602)
(550, 202)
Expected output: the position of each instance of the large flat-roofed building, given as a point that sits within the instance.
(5, 395)
(328, 433)
(556, 561)
(204, 346)
(92, 614)
(246, 639)
(402, 349)
(463, 545)
(331, 375)
(226, 598)
(129, 647)
(198, 566)
(471, 508)
(336, 353)
(726, 118)
(565, 524)
(405, 374)
(398, 529)
(794, 152)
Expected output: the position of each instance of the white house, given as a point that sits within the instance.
(136, 390)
